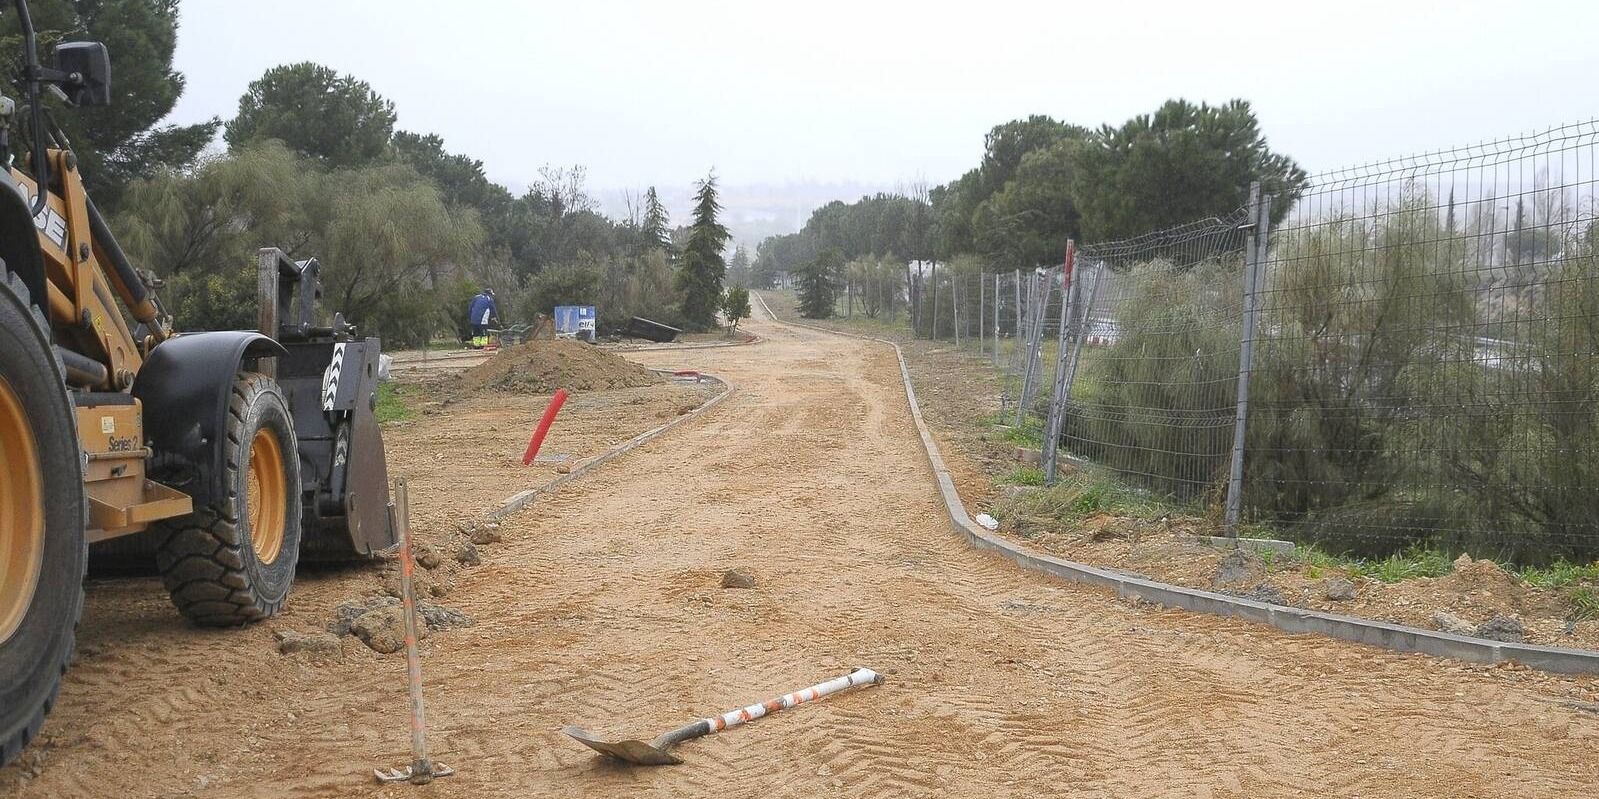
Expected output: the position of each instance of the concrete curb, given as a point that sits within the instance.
(1396, 637)
(522, 499)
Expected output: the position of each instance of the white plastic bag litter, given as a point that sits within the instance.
(988, 522)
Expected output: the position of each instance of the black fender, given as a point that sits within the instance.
(184, 386)
(19, 239)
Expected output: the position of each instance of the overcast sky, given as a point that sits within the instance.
(868, 94)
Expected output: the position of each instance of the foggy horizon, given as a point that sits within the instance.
(798, 107)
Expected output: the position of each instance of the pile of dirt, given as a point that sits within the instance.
(1479, 590)
(541, 367)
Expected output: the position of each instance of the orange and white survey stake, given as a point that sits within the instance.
(655, 752)
(422, 770)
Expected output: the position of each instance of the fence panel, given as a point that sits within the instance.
(1155, 382)
(1427, 371)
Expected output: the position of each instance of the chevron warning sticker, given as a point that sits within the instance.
(330, 378)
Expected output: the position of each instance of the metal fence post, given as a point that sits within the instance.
(982, 310)
(996, 320)
(955, 307)
(1042, 287)
(1057, 399)
(1255, 253)
(1016, 337)
(1082, 329)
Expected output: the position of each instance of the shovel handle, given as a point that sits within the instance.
(733, 718)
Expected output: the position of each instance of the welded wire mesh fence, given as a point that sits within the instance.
(1423, 370)
(1428, 356)
(1154, 390)
(1403, 354)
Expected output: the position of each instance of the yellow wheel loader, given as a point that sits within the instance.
(221, 456)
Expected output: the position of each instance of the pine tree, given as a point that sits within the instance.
(657, 226)
(736, 305)
(700, 273)
(818, 285)
(738, 269)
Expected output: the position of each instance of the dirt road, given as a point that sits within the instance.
(602, 607)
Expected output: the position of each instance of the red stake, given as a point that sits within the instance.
(1071, 260)
(544, 426)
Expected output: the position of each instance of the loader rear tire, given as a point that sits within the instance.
(42, 514)
(232, 563)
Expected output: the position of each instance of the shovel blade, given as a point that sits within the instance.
(635, 752)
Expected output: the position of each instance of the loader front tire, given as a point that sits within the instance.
(232, 562)
(42, 514)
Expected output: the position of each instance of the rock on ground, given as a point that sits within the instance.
(1268, 593)
(487, 534)
(468, 555)
(348, 620)
(426, 557)
(383, 629)
(317, 644)
(1450, 623)
(1338, 589)
(1237, 566)
(1505, 629)
(347, 612)
(438, 617)
(733, 578)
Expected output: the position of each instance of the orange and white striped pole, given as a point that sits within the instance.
(733, 718)
(655, 753)
(422, 770)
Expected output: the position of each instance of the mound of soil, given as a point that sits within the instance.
(541, 367)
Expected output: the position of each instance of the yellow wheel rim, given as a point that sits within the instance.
(265, 499)
(21, 513)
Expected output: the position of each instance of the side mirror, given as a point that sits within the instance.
(88, 70)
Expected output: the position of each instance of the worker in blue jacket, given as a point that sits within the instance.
(478, 315)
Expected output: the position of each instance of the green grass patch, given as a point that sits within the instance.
(1559, 574)
(1413, 562)
(391, 405)
(1077, 496)
(1030, 434)
(1023, 476)
(1584, 604)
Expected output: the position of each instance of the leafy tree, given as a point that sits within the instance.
(199, 231)
(736, 305)
(657, 227)
(460, 178)
(1028, 221)
(387, 240)
(567, 284)
(818, 289)
(879, 286)
(699, 276)
(387, 235)
(738, 270)
(1008, 144)
(123, 141)
(1182, 163)
(779, 254)
(317, 112)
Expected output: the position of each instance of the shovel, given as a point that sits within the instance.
(655, 752)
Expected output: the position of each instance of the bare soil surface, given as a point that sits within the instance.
(603, 607)
(960, 396)
(541, 367)
(1475, 592)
